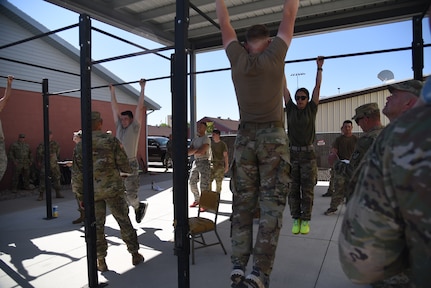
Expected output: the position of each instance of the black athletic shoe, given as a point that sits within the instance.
(140, 212)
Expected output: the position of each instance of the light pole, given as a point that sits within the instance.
(297, 76)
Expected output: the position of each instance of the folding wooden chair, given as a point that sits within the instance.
(198, 226)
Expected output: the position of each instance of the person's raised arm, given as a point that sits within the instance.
(228, 34)
(114, 103)
(287, 24)
(316, 91)
(141, 103)
(7, 92)
(286, 92)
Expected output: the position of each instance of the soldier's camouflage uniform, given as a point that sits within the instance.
(345, 146)
(217, 163)
(347, 170)
(54, 150)
(260, 178)
(20, 156)
(109, 158)
(387, 224)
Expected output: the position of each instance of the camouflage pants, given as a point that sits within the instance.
(55, 178)
(304, 178)
(337, 197)
(24, 172)
(260, 177)
(120, 211)
(131, 184)
(200, 169)
(331, 181)
(217, 174)
(3, 158)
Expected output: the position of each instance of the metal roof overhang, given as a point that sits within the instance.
(154, 19)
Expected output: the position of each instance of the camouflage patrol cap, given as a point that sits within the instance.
(365, 110)
(21, 135)
(412, 86)
(95, 116)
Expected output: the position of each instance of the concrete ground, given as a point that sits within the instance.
(35, 252)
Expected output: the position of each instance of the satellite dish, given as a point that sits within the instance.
(385, 75)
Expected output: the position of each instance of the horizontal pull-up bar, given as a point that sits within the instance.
(22, 80)
(106, 86)
(127, 41)
(38, 36)
(326, 57)
(133, 54)
(355, 54)
(204, 15)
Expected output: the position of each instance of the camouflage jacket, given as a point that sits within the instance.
(54, 150)
(20, 154)
(109, 159)
(387, 224)
(362, 145)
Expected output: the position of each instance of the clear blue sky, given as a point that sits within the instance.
(215, 92)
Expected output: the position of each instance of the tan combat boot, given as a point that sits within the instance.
(101, 265)
(81, 217)
(137, 258)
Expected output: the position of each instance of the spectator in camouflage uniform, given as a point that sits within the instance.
(403, 97)
(219, 160)
(261, 164)
(201, 169)
(301, 124)
(109, 159)
(367, 116)
(20, 155)
(3, 101)
(387, 228)
(54, 150)
(343, 147)
(77, 138)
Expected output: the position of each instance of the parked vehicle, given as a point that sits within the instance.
(157, 148)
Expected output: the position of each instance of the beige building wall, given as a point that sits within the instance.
(333, 111)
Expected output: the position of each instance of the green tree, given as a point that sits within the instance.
(210, 127)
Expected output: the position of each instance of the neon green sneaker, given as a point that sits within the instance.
(305, 227)
(296, 226)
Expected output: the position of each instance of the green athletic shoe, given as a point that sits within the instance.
(296, 226)
(305, 227)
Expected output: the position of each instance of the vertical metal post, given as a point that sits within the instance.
(90, 219)
(46, 155)
(417, 48)
(179, 138)
(193, 106)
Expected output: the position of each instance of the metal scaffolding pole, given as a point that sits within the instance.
(87, 159)
(179, 134)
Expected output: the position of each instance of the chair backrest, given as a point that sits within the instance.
(210, 201)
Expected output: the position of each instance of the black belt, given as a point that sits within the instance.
(256, 126)
(302, 148)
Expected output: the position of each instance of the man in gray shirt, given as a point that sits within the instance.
(128, 129)
(201, 169)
